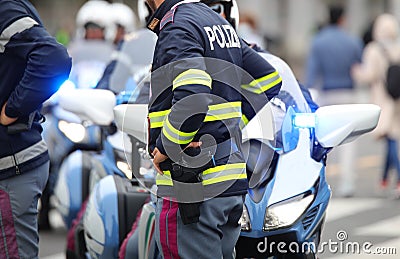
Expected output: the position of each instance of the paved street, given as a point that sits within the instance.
(369, 216)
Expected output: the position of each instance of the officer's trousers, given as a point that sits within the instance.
(19, 197)
(214, 236)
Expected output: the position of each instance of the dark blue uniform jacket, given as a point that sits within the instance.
(32, 67)
(201, 72)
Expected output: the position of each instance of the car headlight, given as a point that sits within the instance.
(244, 220)
(285, 213)
(122, 163)
(74, 131)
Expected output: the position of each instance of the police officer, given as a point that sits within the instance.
(133, 57)
(194, 111)
(32, 67)
(124, 20)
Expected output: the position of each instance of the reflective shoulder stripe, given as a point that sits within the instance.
(18, 26)
(176, 136)
(192, 76)
(23, 155)
(263, 84)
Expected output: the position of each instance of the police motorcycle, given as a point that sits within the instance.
(115, 202)
(131, 66)
(66, 133)
(63, 131)
(82, 170)
(115, 196)
(73, 177)
(91, 57)
(102, 172)
(286, 146)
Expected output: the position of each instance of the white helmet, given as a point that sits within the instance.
(235, 13)
(124, 16)
(96, 12)
(144, 12)
(230, 9)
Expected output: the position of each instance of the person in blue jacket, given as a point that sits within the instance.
(333, 52)
(32, 67)
(199, 66)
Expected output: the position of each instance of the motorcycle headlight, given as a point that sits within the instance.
(244, 220)
(285, 213)
(74, 131)
(122, 163)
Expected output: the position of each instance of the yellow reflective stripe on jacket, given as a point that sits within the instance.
(176, 136)
(164, 179)
(157, 118)
(263, 84)
(227, 105)
(224, 111)
(224, 173)
(221, 168)
(213, 175)
(215, 112)
(192, 76)
(243, 122)
(220, 117)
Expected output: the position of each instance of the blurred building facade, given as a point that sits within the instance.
(287, 25)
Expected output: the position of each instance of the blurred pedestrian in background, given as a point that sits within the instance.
(384, 48)
(32, 67)
(248, 30)
(333, 53)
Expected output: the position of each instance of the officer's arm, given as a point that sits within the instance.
(47, 62)
(190, 86)
(263, 78)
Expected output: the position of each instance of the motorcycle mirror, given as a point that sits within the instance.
(132, 119)
(95, 105)
(339, 124)
(261, 127)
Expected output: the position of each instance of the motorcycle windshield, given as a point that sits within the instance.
(273, 124)
(90, 50)
(133, 60)
(89, 58)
